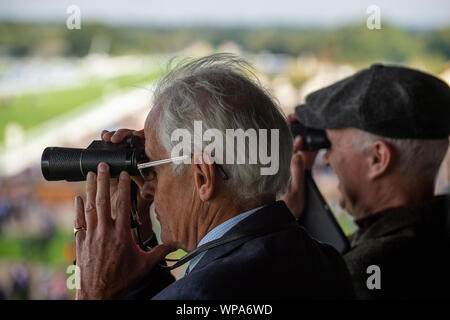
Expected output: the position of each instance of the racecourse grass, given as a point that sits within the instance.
(29, 110)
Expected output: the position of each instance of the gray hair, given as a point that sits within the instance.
(222, 91)
(417, 159)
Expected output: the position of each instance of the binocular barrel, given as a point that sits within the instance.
(73, 164)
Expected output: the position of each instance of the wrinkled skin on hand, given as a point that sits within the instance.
(107, 254)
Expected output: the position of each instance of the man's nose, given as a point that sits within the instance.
(148, 190)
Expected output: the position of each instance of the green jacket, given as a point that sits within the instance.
(410, 245)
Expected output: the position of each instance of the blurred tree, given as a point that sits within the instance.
(354, 44)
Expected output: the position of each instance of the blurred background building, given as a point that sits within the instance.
(61, 87)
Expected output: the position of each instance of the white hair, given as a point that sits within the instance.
(222, 91)
(418, 159)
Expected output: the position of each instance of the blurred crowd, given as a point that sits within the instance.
(33, 255)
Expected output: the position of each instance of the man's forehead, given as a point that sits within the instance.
(342, 132)
(151, 142)
(152, 116)
(343, 136)
(152, 145)
(152, 119)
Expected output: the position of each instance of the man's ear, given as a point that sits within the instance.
(380, 159)
(204, 175)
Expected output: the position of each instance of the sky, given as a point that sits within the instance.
(420, 14)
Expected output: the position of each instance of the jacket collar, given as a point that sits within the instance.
(395, 219)
(275, 214)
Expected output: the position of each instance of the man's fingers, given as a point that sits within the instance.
(121, 134)
(106, 135)
(112, 192)
(80, 221)
(102, 200)
(113, 185)
(139, 133)
(103, 133)
(123, 202)
(297, 172)
(90, 210)
(291, 118)
(297, 165)
(298, 143)
(294, 197)
(309, 156)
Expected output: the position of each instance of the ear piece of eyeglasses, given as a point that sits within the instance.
(148, 172)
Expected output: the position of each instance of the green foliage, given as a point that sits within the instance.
(36, 248)
(355, 44)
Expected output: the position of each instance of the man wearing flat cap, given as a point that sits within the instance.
(389, 128)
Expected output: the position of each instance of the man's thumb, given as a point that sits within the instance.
(297, 172)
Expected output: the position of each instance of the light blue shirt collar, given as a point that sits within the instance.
(218, 232)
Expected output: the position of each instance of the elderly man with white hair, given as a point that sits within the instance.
(247, 245)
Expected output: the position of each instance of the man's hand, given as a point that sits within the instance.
(107, 255)
(300, 161)
(143, 205)
(119, 135)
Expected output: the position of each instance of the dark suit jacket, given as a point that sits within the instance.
(411, 247)
(285, 264)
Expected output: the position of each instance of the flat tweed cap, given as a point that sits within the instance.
(388, 101)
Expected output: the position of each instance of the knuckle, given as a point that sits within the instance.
(79, 241)
(79, 222)
(88, 238)
(117, 242)
(102, 239)
(123, 205)
(101, 202)
(90, 207)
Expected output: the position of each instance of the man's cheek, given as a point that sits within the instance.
(164, 236)
(160, 206)
(341, 188)
(341, 197)
(163, 223)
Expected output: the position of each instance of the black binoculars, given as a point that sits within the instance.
(73, 164)
(313, 139)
